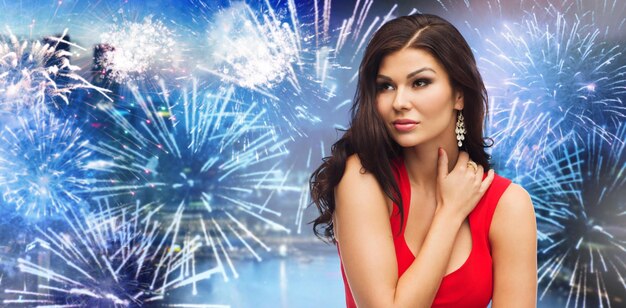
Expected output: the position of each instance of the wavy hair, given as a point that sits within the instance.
(367, 135)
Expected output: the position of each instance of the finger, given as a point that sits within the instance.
(479, 174)
(461, 162)
(487, 181)
(442, 163)
(439, 197)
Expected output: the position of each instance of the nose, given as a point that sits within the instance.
(401, 101)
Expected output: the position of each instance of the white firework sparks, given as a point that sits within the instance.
(563, 75)
(29, 72)
(578, 195)
(116, 257)
(293, 61)
(137, 50)
(254, 52)
(204, 150)
(43, 165)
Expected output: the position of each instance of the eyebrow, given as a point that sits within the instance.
(410, 75)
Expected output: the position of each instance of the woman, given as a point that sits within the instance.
(405, 196)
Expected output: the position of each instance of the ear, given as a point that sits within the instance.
(459, 103)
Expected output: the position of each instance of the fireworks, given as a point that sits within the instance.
(132, 51)
(579, 199)
(253, 53)
(32, 73)
(287, 60)
(43, 165)
(113, 258)
(559, 76)
(290, 62)
(269, 53)
(201, 150)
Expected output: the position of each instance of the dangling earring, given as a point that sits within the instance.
(460, 129)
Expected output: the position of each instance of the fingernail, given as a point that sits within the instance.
(439, 151)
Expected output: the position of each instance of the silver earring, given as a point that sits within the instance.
(460, 129)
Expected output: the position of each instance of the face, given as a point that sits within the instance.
(415, 98)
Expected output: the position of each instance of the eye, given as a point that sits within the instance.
(421, 83)
(381, 87)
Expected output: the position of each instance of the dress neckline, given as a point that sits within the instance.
(404, 175)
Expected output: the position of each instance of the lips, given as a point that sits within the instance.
(405, 125)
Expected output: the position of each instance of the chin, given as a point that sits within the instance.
(408, 142)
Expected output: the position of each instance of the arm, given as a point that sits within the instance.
(365, 240)
(513, 237)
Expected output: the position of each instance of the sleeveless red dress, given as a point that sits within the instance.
(471, 285)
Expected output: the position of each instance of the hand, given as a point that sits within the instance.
(459, 191)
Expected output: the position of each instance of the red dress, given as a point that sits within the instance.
(472, 284)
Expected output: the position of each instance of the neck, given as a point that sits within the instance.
(421, 162)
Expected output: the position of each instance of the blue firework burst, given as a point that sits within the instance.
(43, 165)
(115, 257)
(287, 57)
(561, 76)
(204, 151)
(579, 198)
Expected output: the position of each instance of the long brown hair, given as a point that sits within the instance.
(367, 136)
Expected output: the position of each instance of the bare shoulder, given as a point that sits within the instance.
(516, 196)
(363, 234)
(513, 239)
(353, 165)
(356, 177)
(514, 214)
(358, 196)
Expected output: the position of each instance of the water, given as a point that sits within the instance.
(289, 282)
(277, 282)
